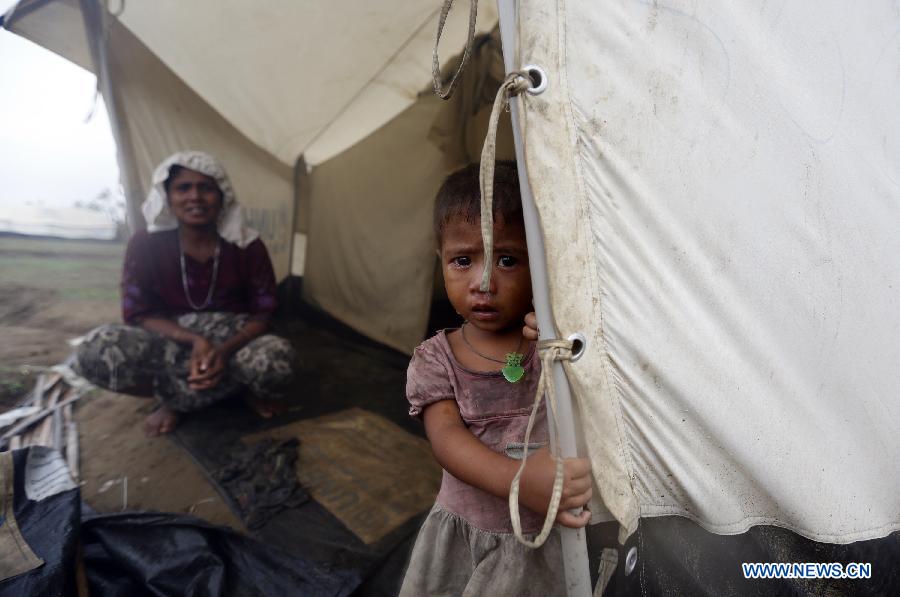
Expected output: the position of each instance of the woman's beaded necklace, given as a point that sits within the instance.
(212, 283)
(513, 371)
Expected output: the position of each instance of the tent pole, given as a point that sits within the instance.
(94, 14)
(574, 546)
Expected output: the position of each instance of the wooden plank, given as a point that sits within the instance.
(44, 384)
(72, 449)
(53, 378)
(43, 435)
(54, 397)
(56, 430)
(42, 432)
(27, 438)
(65, 419)
(27, 423)
(14, 415)
(38, 396)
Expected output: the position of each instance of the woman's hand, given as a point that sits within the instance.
(537, 486)
(207, 365)
(530, 330)
(208, 362)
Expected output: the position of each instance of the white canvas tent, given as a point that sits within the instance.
(274, 89)
(731, 197)
(717, 186)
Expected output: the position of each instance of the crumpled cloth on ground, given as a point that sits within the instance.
(262, 479)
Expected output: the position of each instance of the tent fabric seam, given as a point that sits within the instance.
(614, 390)
(745, 524)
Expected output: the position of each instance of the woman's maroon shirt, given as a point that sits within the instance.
(152, 286)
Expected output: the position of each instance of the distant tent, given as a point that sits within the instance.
(61, 222)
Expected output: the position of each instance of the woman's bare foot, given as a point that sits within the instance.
(161, 421)
(266, 408)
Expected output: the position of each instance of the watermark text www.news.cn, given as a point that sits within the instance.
(806, 570)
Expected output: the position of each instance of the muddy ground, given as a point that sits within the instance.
(54, 290)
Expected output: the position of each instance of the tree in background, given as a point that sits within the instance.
(110, 204)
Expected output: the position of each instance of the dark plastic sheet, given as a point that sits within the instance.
(50, 527)
(676, 557)
(153, 554)
(137, 554)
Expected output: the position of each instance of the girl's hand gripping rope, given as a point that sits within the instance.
(537, 485)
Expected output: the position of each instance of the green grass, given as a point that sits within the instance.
(76, 269)
(55, 285)
(62, 246)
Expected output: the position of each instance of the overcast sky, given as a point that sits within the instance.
(48, 152)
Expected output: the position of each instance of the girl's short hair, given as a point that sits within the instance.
(460, 196)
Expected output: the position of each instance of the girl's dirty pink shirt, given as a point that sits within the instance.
(494, 410)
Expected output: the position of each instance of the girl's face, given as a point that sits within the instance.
(194, 198)
(462, 260)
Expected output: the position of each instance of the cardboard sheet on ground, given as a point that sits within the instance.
(16, 556)
(368, 472)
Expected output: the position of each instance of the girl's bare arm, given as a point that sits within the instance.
(472, 462)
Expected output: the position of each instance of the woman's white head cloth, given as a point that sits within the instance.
(231, 220)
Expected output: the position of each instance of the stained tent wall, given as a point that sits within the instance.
(719, 195)
(261, 85)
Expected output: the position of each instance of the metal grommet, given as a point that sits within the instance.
(538, 79)
(579, 343)
(630, 561)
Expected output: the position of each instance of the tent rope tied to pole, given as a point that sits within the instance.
(550, 350)
(439, 90)
(515, 83)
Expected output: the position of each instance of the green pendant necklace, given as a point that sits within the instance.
(513, 370)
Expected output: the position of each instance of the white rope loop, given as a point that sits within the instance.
(436, 62)
(515, 83)
(550, 351)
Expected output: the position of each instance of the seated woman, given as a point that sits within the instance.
(198, 291)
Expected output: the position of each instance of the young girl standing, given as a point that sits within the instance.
(474, 388)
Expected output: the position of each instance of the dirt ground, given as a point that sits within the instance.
(50, 292)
